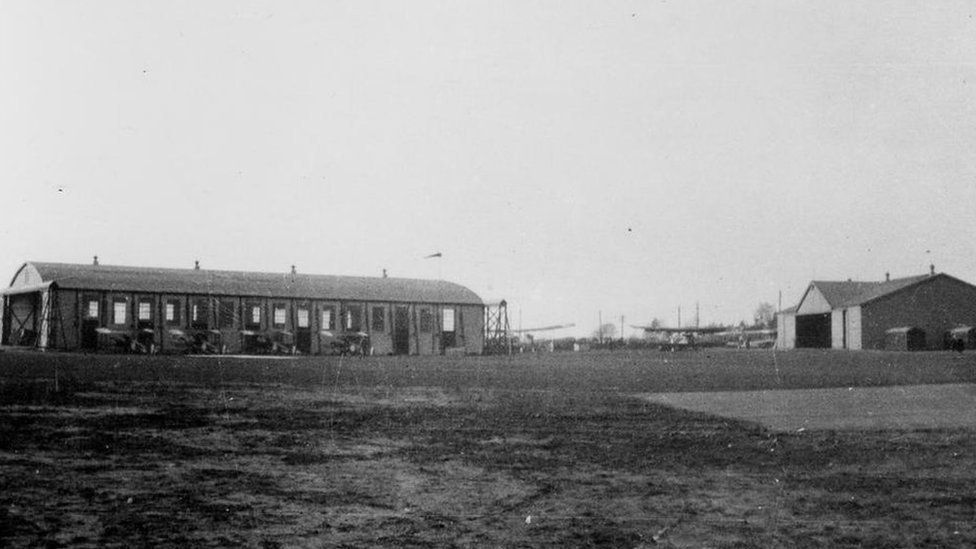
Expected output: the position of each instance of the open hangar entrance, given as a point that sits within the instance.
(25, 315)
(813, 331)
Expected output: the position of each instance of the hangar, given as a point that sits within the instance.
(102, 308)
(916, 312)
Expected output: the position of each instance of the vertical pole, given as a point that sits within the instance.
(679, 316)
(600, 329)
(621, 327)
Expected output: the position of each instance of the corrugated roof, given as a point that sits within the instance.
(851, 293)
(243, 283)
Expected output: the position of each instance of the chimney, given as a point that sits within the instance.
(95, 261)
(196, 264)
(384, 273)
(932, 270)
(293, 271)
(887, 277)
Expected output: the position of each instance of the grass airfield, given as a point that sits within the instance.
(561, 450)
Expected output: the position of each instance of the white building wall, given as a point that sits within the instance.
(837, 329)
(854, 328)
(813, 303)
(785, 331)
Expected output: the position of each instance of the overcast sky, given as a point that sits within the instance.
(572, 157)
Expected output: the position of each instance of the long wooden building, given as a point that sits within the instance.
(103, 308)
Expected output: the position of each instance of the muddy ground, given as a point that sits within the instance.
(555, 450)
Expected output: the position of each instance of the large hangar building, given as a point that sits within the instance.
(879, 315)
(87, 307)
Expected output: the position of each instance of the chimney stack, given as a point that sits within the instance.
(384, 273)
(887, 277)
(293, 271)
(932, 269)
(95, 261)
(196, 264)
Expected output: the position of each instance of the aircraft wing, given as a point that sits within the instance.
(543, 328)
(663, 330)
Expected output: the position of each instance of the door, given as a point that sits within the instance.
(303, 332)
(401, 331)
(89, 323)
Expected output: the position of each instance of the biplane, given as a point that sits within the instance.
(530, 340)
(690, 338)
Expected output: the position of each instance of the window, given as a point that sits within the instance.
(145, 309)
(354, 318)
(327, 318)
(254, 317)
(426, 321)
(92, 308)
(173, 311)
(448, 325)
(225, 313)
(200, 314)
(379, 319)
(280, 315)
(303, 317)
(118, 311)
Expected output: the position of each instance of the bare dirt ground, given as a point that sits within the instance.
(557, 450)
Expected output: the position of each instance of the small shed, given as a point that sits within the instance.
(966, 334)
(905, 338)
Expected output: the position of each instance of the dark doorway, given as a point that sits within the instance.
(20, 319)
(90, 319)
(89, 335)
(401, 331)
(813, 331)
(303, 331)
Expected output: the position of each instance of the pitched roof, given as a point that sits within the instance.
(243, 283)
(851, 293)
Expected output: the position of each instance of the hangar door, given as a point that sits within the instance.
(21, 319)
(813, 331)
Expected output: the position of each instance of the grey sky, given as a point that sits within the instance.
(572, 157)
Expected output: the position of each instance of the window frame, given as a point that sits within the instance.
(148, 303)
(275, 309)
(226, 314)
(250, 308)
(426, 320)
(116, 302)
(200, 313)
(377, 322)
(171, 312)
(453, 320)
(327, 323)
(98, 309)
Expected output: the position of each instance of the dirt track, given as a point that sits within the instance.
(552, 451)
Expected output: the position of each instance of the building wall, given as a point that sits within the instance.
(813, 303)
(936, 306)
(473, 320)
(65, 320)
(71, 310)
(424, 337)
(854, 328)
(380, 336)
(837, 329)
(785, 331)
